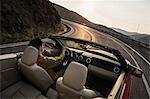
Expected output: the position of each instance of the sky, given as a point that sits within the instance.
(129, 15)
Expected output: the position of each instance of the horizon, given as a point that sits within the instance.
(128, 15)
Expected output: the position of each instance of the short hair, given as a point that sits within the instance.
(37, 43)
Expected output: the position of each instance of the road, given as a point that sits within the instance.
(139, 86)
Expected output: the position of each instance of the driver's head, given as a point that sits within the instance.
(37, 43)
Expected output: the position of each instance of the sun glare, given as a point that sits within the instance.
(86, 8)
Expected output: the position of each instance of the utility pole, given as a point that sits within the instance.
(138, 28)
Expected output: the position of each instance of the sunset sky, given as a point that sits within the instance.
(129, 15)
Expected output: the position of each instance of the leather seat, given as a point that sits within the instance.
(12, 84)
(34, 73)
(22, 90)
(73, 81)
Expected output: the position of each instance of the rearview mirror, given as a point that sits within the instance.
(134, 70)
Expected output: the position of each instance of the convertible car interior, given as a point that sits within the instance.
(85, 71)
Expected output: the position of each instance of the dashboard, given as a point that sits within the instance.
(87, 58)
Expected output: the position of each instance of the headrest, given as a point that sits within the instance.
(29, 56)
(75, 76)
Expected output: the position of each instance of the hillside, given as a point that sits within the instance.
(71, 15)
(25, 19)
(143, 38)
(125, 32)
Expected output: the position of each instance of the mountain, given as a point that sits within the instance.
(125, 32)
(25, 19)
(143, 38)
(71, 15)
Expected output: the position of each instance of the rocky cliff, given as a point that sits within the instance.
(25, 19)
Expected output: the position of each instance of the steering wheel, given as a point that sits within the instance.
(50, 50)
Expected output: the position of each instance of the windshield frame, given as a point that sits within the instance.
(81, 41)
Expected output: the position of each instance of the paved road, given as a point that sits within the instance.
(138, 89)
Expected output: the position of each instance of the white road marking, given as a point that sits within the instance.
(137, 53)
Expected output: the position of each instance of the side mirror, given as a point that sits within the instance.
(134, 70)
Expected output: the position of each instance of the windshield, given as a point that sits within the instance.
(74, 44)
(79, 44)
(86, 47)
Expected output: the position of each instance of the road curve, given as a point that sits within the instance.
(140, 87)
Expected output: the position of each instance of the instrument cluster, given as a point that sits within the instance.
(76, 56)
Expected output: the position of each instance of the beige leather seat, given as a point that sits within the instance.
(73, 81)
(34, 73)
(21, 90)
(12, 84)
